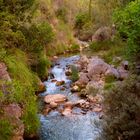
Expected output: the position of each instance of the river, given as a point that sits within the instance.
(78, 126)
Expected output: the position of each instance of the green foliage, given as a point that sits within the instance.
(128, 24)
(123, 110)
(5, 129)
(42, 66)
(74, 48)
(75, 73)
(81, 19)
(30, 117)
(22, 88)
(61, 14)
(16, 7)
(110, 81)
(38, 36)
(101, 45)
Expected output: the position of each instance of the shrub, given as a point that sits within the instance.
(22, 88)
(74, 48)
(123, 110)
(100, 45)
(75, 73)
(5, 129)
(42, 66)
(81, 19)
(128, 24)
(61, 13)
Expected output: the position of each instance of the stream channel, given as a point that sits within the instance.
(79, 125)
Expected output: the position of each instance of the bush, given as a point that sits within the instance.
(22, 88)
(75, 73)
(61, 13)
(101, 45)
(81, 19)
(5, 129)
(128, 24)
(42, 66)
(123, 110)
(74, 48)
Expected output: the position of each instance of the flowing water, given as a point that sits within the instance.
(54, 126)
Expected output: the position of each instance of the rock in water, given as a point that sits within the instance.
(60, 83)
(56, 98)
(83, 79)
(98, 67)
(75, 89)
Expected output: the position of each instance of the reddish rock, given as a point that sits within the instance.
(53, 105)
(4, 75)
(82, 63)
(98, 68)
(46, 110)
(13, 113)
(83, 79)
(56, 98)
(69, 104)
(12, 110)
(67, 111)
(123, 73)
(103, 33)
(97, 109)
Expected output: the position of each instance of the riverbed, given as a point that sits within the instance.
(77, 126)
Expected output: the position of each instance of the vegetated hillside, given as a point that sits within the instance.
(31, 31)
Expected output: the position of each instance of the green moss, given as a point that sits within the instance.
(5, 129)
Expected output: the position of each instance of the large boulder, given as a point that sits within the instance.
(83, 62)
(103, 33)
(122, 73)
(56, 98)
(4, 75)
(98, 68)
(83, 79)
(112, 72)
